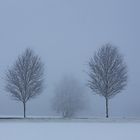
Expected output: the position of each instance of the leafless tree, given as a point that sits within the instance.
(25, 78)
(108, 73)
(68, 98)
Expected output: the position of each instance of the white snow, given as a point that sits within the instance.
(64, 130)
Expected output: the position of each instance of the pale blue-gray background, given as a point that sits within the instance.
(65, 33)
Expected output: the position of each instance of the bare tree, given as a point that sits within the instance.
(68, 98)
(108, 73)
(25, 78)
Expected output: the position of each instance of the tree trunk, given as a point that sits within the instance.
(106, 107)
(24, 105)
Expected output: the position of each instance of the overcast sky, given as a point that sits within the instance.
(65, 33)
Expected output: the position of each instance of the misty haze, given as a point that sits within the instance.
(65, 35)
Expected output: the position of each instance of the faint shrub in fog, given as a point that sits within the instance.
(69, 97)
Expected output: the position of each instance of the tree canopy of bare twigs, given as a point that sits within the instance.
(68, 98)
(108, 73)
(25, 78)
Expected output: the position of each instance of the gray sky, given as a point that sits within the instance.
(65, 33)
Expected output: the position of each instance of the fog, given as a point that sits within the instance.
(66, 33)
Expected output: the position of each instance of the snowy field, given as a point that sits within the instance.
(69, 130)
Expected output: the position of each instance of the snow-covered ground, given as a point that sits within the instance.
(69, 130)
